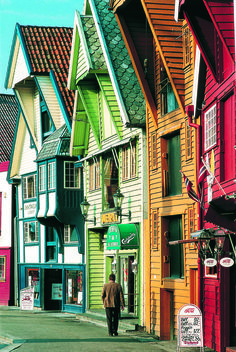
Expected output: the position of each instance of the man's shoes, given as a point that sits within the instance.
(115, 333)
(110, 334)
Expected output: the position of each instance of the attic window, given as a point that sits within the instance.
(167, 95)
(46, 122)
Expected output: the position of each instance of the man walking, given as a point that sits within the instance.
(113, 298)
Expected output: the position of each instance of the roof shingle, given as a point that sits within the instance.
(48, 49)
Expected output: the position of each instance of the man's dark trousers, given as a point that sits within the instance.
(112, 320)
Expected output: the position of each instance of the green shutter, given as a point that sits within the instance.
(174, 165)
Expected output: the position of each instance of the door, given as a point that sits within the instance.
(194, 286)
(166, 315)
(52, 289)
(127, 282)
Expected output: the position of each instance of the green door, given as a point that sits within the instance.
(176, 252)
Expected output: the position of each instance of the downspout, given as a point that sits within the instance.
(190, 111)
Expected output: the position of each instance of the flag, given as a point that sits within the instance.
(202, 172)
(189, 187)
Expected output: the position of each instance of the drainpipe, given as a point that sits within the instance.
(190, 111)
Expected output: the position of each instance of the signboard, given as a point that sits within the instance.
(210, 262)
(30, 209)
(56, 291)
(190, 332)
(27, 298)
(226, 262)
(122, 236)
(110, 217)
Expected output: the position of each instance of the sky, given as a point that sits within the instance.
(58, 13)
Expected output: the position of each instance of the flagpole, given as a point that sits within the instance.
(209, 171)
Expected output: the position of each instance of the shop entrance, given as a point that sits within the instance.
(128, 283)
(52, 289)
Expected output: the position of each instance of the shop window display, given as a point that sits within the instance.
(74, 289)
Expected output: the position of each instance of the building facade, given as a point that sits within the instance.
(110, 110)
(49, 230)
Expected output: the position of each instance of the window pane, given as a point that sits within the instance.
(74, 287)
(42, 178)
(2, 268)
(51, 175)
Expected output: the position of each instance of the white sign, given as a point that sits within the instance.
(190, 326)
(29, 209)
(210, 262)
(226, 262)
(27, 298)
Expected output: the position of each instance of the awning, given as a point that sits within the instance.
(122, 236)
(222, 212)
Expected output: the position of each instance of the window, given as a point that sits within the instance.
(94, 175)
(72, 175)
(188, 141)
(29, 187)
(173, 256)
(210, 127)
(171, 164)
(51, 245)
(110, 179)
(52, 175)
(46, 122)
(3, 268)
(42, 178)
(74, 287)
(167, 95)
(155, 229)
(154, 150)
(125, 163)
(186, 46)
(33, 281)
(129, 161)
(70, 235)
(31, 233)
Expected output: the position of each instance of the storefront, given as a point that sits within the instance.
(56, 287)
(122, 258)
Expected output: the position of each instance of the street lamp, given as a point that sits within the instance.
(220, 240)
(84, 206)
(118, 200)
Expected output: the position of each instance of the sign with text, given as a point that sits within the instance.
(27, 298)
(109, 217)
(190, 332)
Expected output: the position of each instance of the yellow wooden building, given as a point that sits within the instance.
(163, 54)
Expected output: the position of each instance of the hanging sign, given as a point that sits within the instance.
(210, 262)
(190, 333)
(226, 262)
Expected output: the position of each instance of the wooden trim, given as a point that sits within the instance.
(170, 130)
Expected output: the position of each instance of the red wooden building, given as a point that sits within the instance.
(212, 24)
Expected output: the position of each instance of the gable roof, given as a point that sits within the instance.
(46, 50)
(124, 80)
(8, 118)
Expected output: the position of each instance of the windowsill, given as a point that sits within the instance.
(32, 243)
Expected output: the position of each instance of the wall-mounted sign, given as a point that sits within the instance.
(56, 291)
(210, 262)
(29, 209)
(110, 217)
(122, 236)
(190, 333)
(226, 262)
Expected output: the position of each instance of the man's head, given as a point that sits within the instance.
(112, 277)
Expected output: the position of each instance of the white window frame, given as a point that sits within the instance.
(52, 175)
(210, 127)
(26, 187)
(68, 229)
(74, 175)
(42, 178)
(27, 236)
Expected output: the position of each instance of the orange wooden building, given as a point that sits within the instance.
(163, 54)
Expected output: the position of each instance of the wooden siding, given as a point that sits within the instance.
(174, 121)
(21, 70)
(168, 38)
(82, 65)
(95, 273)
(222, 13)
(51, 100)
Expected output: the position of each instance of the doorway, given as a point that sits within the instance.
(166, 315)
(52, 289)
(127, 282)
